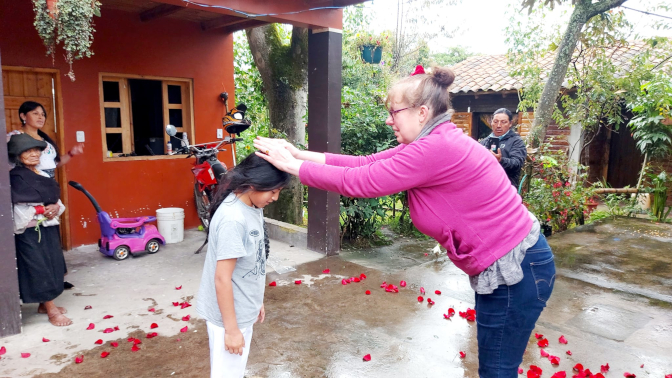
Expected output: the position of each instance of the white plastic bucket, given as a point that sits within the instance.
(170, 222)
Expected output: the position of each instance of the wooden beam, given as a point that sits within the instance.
(244, 25)
(159, 11)
(221, 22)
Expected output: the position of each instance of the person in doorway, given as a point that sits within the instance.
(507, 146)
(231, 294)
(457, 194)
(33, 118)
(36, 208)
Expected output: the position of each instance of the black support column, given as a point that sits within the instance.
(324, 133)
(10, 310)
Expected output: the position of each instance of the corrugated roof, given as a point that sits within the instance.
(483, 73)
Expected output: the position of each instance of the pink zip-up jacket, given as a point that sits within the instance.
(457, 192)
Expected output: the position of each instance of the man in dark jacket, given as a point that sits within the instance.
(507, 146)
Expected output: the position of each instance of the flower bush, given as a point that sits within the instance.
(364, 38)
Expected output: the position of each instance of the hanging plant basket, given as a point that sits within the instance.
(372, 54)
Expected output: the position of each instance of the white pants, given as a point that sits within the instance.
(222, 363)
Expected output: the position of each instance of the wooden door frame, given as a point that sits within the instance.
(60, 125)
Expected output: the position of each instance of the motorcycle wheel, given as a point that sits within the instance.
(202, 200)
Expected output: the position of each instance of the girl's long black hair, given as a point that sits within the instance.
(253, 173)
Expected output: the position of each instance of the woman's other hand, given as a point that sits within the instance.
(51, 211)
(78, 149)
(282, 143)
(234, 342)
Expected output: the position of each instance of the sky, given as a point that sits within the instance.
(481, 23)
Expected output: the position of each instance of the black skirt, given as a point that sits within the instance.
(41, 265)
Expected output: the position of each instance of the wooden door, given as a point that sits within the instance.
(22, 84)
(463, 121)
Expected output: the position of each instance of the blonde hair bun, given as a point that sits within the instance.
(443, 76)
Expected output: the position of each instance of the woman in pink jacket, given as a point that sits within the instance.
(459, 195)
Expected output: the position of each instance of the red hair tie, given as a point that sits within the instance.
(418, 70)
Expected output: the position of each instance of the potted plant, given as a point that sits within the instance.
(69, 22)
(372, 46)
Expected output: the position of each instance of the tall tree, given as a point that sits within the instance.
(583, 11)
(284, 72)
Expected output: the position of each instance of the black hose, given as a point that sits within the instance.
(79, 187)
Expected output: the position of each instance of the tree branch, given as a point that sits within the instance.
(601, 7)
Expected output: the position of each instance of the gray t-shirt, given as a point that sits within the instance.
(236, 232)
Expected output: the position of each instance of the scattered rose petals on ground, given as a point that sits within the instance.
(178, 287)
(45, 340)
(91, 326)
(462, 354)
(185, 329)
(135, 348)
(402, 283)
(104, 354)
(559, 374)
(420, 299)
(273, 284)
(131, 339)
(543, 353)
(470, 314)
(154, 325)
(3, 350)
(543, 343)
(298, 282)
(99, 341)
(578, 367)
(451, 311)
(26, 355)
(137, 341)
(668, 376)
(604, 368)
(626, 374)
(87, 307)
(538, 336)
(114, 344)
(520, 370)
(367, 358)
(569, 352)
(391, 288)
(152, 309)
(186, 318)
(598, 375)
(176, 304)
(555, 360)
(642, 366)
(326, 271)
(152, 335)
(116, 328)
(355, 279)
(384, 284)
(368, 292)
(79, 359)
(430, 301)
(437, 292)
(184, 305)
(108, 316)
(562, 340)
(362, 276)
(422, 290)
(108, 330)
(534, 372)
(344, 282)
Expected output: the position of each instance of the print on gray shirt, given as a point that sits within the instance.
(236, 232)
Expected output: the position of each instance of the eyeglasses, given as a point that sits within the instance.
(393, 112)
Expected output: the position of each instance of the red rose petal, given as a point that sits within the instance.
(108, 316)
(559, 374)
(135, 348)
(152, 335)
(430, 301)
(45, 340)
(362, 276)
(25, 355)
(99, 341)
(420, 299)
(184, 305)
(520, 370)
(642, 366)
(87, 307)
(384, 284)
(152, 309)
(131, 339)
(462, 354)
(326, 271)
(91, 326)
(344, 282)
(544, 353)
(176, 304)
(137, 341)
(79, 360)
(562, 340)
(114, 344)
(367, 357)
(451, 311)
(178, 287)
(116, 328)
(426, 254)
(578, 367)
(355, 279)
(3, 350)
(543, 343)
(104, 354)
(108, 330)
(368, 292)
(186, 318)
(555, 360)
(437, 292)
(185, 329)
(668, 376)
(422, 290)
(154, 325)
(298, 282)
(569, 352)
(271, 284)
(534, 372)
(402, 283)
(538, 336)
(626, 374)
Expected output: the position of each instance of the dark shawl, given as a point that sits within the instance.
(30, 187)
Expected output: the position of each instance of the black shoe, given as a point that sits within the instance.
(67, 285)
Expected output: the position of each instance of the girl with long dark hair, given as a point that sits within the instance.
(231, 295)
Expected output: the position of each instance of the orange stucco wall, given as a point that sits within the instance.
(123, 44)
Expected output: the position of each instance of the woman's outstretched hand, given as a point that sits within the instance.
(277, 153)
(282, 143)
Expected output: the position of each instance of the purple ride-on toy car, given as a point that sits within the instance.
(121, 237)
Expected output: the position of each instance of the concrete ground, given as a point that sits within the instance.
(323, 328)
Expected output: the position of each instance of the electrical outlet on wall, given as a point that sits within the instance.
(220, 134)
(80, 136)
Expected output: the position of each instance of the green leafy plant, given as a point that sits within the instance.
(652, 107)
(659, 190)
(70, 22)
